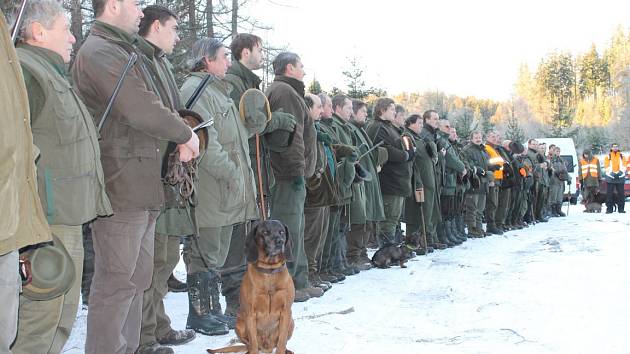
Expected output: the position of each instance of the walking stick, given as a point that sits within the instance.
(424, 231)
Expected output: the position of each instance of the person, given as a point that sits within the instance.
(293, 165)
(432, 179)
(422, 174)
(463, 184)
(23, 221)
(158, 32)
(226, 192)
(534, 163)
(349, 191)
(615, 168)
(321, 194)
(494, 185)
(454, 168)
(366, 208)
(395, 175)
(247, 52)
(132, 161)
(69, 172)
(590, 178)
(476, 196)
(559, 177)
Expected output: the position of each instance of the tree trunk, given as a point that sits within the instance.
(209, 18)
(192, 20)
(234, 18)
(76, 23)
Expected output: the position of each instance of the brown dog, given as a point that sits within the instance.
(264, 319)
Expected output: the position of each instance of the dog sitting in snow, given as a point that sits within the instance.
(264, 321)
(391, 254)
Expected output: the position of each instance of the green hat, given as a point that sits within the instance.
(52, 271)
(254, 110)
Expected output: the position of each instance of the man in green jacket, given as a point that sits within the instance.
(248, 56)
(69, 171)
(366, 208)
(294, 164)
(395, 178)
(476, 196)
(432, 178)
(559, 176)
(226, 192)
(22, 222)
(454, 168)
(131, 158)
(158, 29)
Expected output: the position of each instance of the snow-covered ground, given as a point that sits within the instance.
(557, 287)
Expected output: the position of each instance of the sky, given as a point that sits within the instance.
(456, 46)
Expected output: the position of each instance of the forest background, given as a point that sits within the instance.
(582, 95)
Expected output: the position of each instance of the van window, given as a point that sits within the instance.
(568, 160)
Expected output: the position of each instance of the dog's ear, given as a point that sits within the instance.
(288, 245)
(251, 246)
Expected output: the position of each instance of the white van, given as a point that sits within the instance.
(569, 155)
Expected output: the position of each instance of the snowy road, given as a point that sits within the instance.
(557, 287)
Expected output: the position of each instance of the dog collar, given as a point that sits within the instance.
(271, 270)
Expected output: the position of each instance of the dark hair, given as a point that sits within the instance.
(204, 48)
(154, 13)
(243, 41)
(98, 6)
(400, 108)
(323, 96)
(530, 141)
(309, 101)
(357, 105)
(427, 114)
(339, 101)
(381, 105)
(281, 61)
(412, 119)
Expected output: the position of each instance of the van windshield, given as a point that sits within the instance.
(568, 160)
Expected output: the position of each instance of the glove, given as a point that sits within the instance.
(353, 157)
(480, 172)
(410, 154)
(298, 183)
(506, 166)
(324, 137)
(430, 150)
(280, 120)
(343, 150)
(494, 168)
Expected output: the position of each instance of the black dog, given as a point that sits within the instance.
(390, 254)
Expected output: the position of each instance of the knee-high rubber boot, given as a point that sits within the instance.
(200, 319)
(441, 234)
(214, 303)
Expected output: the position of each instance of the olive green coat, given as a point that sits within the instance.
(226, 192)
(452, 165)
(22, 221)
(478, 158)
(69, 173)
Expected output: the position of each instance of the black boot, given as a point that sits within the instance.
(215, 305)
(200, 319)
(559, 210)
(461, 227)
(461, 237)
(451, 234)
(441, 234)
(176, 286)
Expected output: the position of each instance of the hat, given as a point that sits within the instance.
(193, 119)
(254, 110)
(516, 147)
(52, 271)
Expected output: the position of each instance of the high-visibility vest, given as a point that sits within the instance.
(614, 162)
(495, 159)
(589, 168)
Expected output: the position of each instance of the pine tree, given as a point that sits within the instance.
(356, 85)
(514, 131)
(315, 88)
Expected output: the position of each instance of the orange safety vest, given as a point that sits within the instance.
(614, 162)
(495, 159)
(589, 168)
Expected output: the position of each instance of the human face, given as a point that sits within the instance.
(445, 126)
(361, 115)
(128, 14)
(296, 71)
(345, 111)
(492, 138)
(453, 134)
(476, 138)
(417, 126)
(219, 66)
(434, 120)
(390, 113)
(252, 59)
(615, 147)
(57, 38)
(166, 35)
(316, 111)
(327, 109)
(533, 145)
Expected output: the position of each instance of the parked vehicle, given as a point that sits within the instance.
(569, 155)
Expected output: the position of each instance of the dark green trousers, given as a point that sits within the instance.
(392, 205)
(287, 203)
(492, 203)
(234, 268)
(503, 206)
(329, 260)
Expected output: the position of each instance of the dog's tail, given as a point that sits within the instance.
(231, 349)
